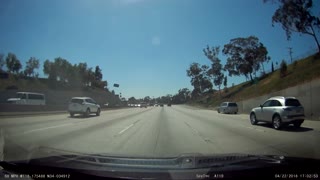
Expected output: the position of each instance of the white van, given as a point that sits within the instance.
(28, 98)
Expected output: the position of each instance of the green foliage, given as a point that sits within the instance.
(225, 81)
(199, 78)
(296, 16)
(77, 75)
(245, 56)
(31, 65)
(2, 61)
(215, 73)
(98, 73)
(181, 97)
(295, 64)
(283, 68)
(13, 63)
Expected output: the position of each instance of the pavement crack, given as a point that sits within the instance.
(196, 132)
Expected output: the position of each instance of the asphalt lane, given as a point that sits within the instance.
(156, 132)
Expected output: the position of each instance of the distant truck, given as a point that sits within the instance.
(28, 98)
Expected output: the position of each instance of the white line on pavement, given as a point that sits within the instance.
(40, 129)
(125, 129)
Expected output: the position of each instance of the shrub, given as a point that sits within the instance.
(295, 64)
(283, 69)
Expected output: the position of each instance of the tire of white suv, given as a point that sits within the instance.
(71, 114)
(98, 112)
(87, 113)
(276, 122)
(253, 119)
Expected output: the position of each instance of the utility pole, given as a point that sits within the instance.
(290, 53)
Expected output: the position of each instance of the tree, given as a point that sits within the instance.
(283, 69)
(147, 99)
(50, 70)
(296, 16)
(2, 61)
(132, 100)
(98, 73)
(194, 72)
(225, 81)
(13, 63)
(82, 70)
(245, 56)
(58, 70)
(31, 65)
(216, 68)
(181, 97)
(272, 67)
(90, 77)
(199, 77)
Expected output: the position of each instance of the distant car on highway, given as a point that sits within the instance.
(228, 107)
(161, 105)
(279, 111)
(84, 106)
(169, 104)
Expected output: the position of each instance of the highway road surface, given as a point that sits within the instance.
(155, 132)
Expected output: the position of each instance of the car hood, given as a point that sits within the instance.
(186, 166)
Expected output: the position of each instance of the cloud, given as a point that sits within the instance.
(155, 41)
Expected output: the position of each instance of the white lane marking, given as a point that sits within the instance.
(122, 131)
(51, 127)
(41, 129)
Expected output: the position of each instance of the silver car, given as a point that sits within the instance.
(279, 111)
(83, 105)
(228, 107)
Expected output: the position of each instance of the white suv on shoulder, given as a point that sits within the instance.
(279, 111)
(83, 105)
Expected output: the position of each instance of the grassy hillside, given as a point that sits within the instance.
(302, 71)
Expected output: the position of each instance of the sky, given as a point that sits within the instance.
(145, 46)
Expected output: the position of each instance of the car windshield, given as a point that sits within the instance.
(292, 102)
(160, 78)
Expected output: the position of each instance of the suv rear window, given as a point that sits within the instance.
(292, 102)
(233, 105)
(78, 101)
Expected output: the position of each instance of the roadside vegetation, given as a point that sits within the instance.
(299, 72)
(247, 56)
